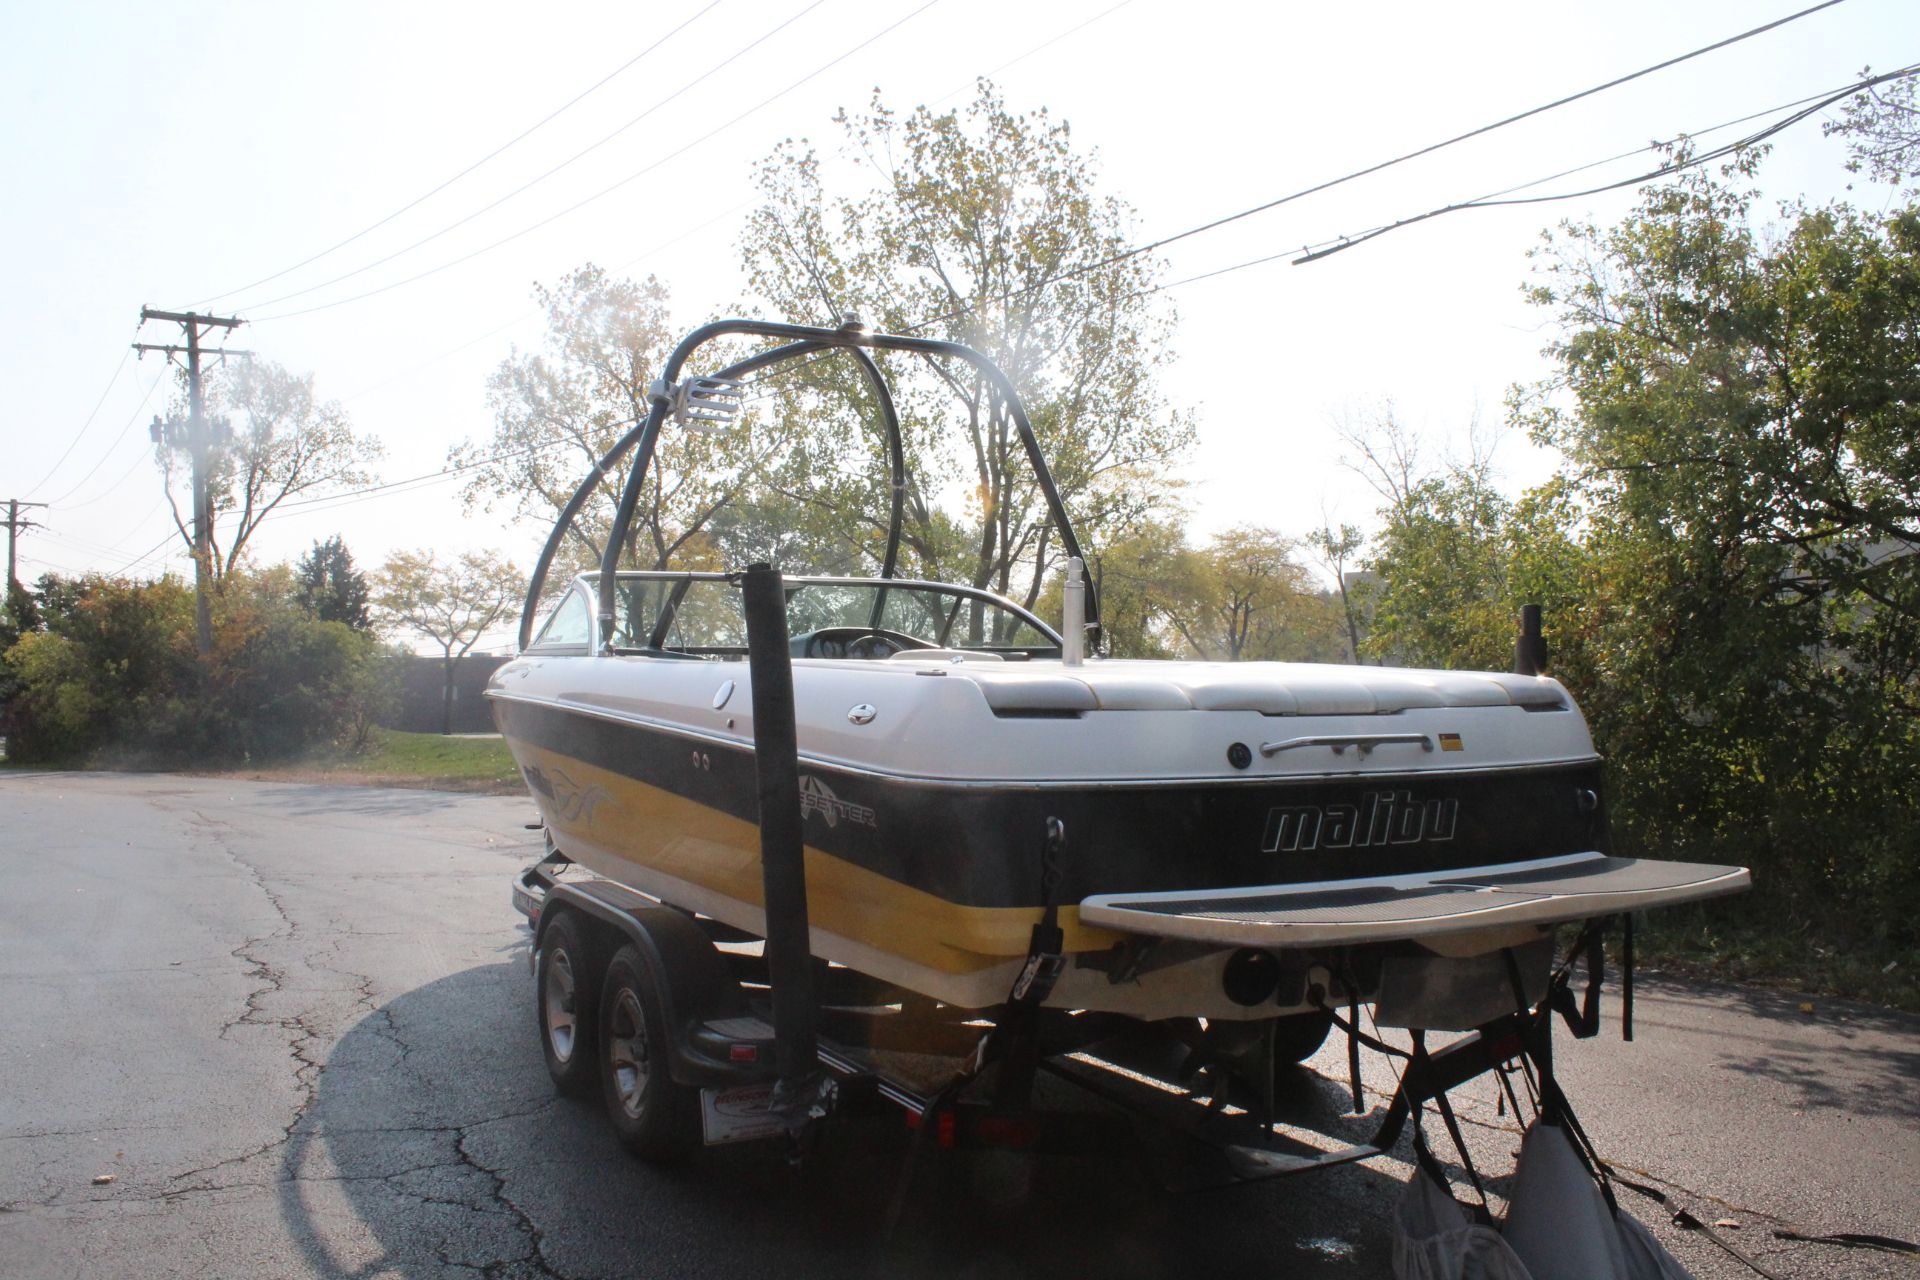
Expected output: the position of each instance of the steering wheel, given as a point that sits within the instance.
(859, 642)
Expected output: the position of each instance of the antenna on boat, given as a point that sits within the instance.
(1073, 614)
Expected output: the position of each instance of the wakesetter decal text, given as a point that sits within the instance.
(817, 797)
(1381, 817)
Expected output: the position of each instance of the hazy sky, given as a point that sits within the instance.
(173, 154)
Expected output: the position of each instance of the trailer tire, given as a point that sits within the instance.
(567, 987)
(655, 1117)
(1298, 1036)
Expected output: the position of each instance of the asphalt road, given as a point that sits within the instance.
(295, 1025)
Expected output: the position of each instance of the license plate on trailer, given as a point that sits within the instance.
(738, 1115)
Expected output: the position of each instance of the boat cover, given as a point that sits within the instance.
(1383, 909)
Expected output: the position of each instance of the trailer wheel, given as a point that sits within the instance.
(655, 1117)
(568, 985)
(1298, 1036)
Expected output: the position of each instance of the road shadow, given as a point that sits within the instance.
(1862, 1090)
(434, 1142)
(1789, 1007)
(1842, 1056)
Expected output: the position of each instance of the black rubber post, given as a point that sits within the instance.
(782, 853)
(1530, 651)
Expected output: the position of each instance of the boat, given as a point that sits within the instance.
(1225, 841)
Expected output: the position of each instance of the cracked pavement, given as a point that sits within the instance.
(295, 1024)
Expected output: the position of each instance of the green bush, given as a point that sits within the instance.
(111, 671)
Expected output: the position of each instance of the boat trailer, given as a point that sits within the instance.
(720, 1036)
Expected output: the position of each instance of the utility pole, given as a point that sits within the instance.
(15, 524)
(197, 442)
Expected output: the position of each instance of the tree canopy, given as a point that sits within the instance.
(452, 602)
(107, 666)
(330, 587)
(558, 410)
(985, 226)
(286, 443)
(1728, 557)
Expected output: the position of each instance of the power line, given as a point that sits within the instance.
(517, 138)
(87, 545)
(138, 560)
(1694, 161)
(632, 177)
(409, 370)
(54, 565)
(347, 497)
(1153, 245)
(1655, 146)
(535, 181)
(530, 312)
(101, 460)
(432, 477)
(754, 393)
(74, 443)
(1042, 46)
(111, 489)
(1322, 248)
(117, 547)
(1811, 104)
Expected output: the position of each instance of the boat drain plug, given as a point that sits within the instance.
(1250, 977)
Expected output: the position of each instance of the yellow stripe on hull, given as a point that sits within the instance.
(598, 811)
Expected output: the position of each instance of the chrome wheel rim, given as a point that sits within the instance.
(627, 1052)
(563, 1020)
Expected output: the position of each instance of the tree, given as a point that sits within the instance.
(282, 680)
(1140, 576)
(1244, 596)
(1250, 598)
(452, 603)
(285, 443)
(983, 226)
(330, 587)
(111, 657)
(1882, 127)
(1756, 404)
(559, 410)
(111, 670)
(1442, 595)
(1335, 549)
(1741, 416)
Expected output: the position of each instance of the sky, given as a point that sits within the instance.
(197, 156)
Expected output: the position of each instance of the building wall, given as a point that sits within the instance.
(420, 692)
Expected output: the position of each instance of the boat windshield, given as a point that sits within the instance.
(701, 615)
